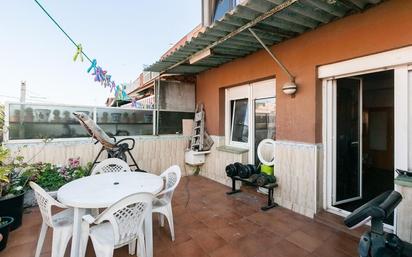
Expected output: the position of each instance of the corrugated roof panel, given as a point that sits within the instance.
(306, 11)
(272, 20)
(329, 8)
(288, 16)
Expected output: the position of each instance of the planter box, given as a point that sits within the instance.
(4, 231)
(30, 198)
(13, 207)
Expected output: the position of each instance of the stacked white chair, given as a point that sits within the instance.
(111, 165)
(163, 202)
(61, 223)
(120, 224)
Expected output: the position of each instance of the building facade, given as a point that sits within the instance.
(341, 136)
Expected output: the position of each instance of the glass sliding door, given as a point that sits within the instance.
(348, 139)
(265, 113)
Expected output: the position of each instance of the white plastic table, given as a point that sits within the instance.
(101, 191)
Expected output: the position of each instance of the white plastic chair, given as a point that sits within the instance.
(120, 224)
(61, 223)
(163, 202)
(111, 165)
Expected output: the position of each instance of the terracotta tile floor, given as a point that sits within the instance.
(216, 225)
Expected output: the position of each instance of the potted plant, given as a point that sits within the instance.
(56, 116)
(13, 180)
(15, 117)
(66, 116)
(51, 177)
(5, 226)
(105, 117)
(46, 175)
(28, 116)
(125, 118)
(116, 116)
(42, 115)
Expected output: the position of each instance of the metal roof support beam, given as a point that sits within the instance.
(248, 25)
(291, 77)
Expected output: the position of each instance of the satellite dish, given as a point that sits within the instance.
(266, 152)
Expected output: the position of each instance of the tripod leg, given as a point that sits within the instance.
(95, 160)
(134, 161)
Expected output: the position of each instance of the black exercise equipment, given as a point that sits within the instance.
(404, 172)
(377, 242)
(264, 179)
(241, 170)
(245, 171)
(253, 178)
(232, 170)
(250, 174)
(114, 148)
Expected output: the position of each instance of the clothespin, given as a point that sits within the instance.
(79, 51)
(124, 94)
(107, 80)
(112, 86)
(92, 66)
(117, 91)
(103, 77)
(98, 74)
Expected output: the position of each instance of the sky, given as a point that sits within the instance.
(122, 35)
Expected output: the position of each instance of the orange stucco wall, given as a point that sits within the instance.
(381, 28)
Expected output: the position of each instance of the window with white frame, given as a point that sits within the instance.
(222, 7)
(250, 115)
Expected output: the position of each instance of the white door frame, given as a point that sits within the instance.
(398, 60)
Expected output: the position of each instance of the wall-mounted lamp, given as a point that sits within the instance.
(289, 88)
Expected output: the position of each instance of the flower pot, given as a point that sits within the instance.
(116, 116)
(42, 115)
(13, 207)
(4, 230)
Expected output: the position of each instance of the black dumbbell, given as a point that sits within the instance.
(243, 171)
(253, 169)
(233, 169)
(253, 178)
(247, 170)
(264, 179)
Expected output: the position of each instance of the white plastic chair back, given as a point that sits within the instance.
(172, 178)
(111, 165)
(45, 202)
(127, 216)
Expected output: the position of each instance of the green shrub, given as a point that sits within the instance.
(49, 178)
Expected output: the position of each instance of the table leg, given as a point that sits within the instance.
(77, 222)
(148, 235)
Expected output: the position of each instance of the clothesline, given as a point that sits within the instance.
(100, 75)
